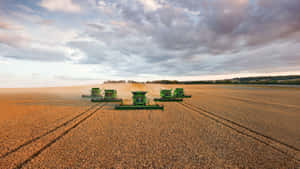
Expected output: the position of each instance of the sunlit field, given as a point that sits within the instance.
(221, 126)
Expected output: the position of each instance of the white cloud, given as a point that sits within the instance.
(107, 8)
(4, 25)
(60, 5)
(151, 5)
(9, 25)
(12, 39)
(167, 38)
(44, 44)
(53, 35)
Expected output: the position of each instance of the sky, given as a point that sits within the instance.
(75, 42)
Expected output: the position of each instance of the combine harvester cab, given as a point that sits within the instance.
(139, 102)
(110, 95)
(179, 93)
(166, 96)
(95, 93)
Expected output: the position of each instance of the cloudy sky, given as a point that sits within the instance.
(72, 42)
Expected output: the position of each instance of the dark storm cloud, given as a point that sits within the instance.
(171, 37)
(193, 37)
(229, 28)
(242, 23)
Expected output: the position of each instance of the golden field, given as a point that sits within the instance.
(221, 126)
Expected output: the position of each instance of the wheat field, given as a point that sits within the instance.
(221, 126)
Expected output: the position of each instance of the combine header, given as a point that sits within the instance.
(166, 96)
(179, 93)
(110, 95)
(95, 93)
(139, 102)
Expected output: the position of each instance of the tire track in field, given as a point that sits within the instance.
(286, 149)
(48, 125)
(15, 157)
(22, 164)
(46, 133)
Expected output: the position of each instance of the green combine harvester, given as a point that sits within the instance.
(179, 93)
(95, 93)
(166, 96)
(139, 102)
(110, 95)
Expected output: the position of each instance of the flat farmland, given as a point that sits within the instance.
(221, 126)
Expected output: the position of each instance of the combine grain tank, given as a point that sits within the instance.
(95, 93)
(139, 102)
(110, 95)
(179, 93)
(166, 96)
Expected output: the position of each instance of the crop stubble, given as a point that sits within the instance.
(174, 138)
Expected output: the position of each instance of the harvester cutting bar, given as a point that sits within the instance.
(185, 96)
(105, 100)
(168, 99)
(138, 107)
(86, 96)
(91, 97)
(139, 102)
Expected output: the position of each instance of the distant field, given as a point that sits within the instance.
(221, 126)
